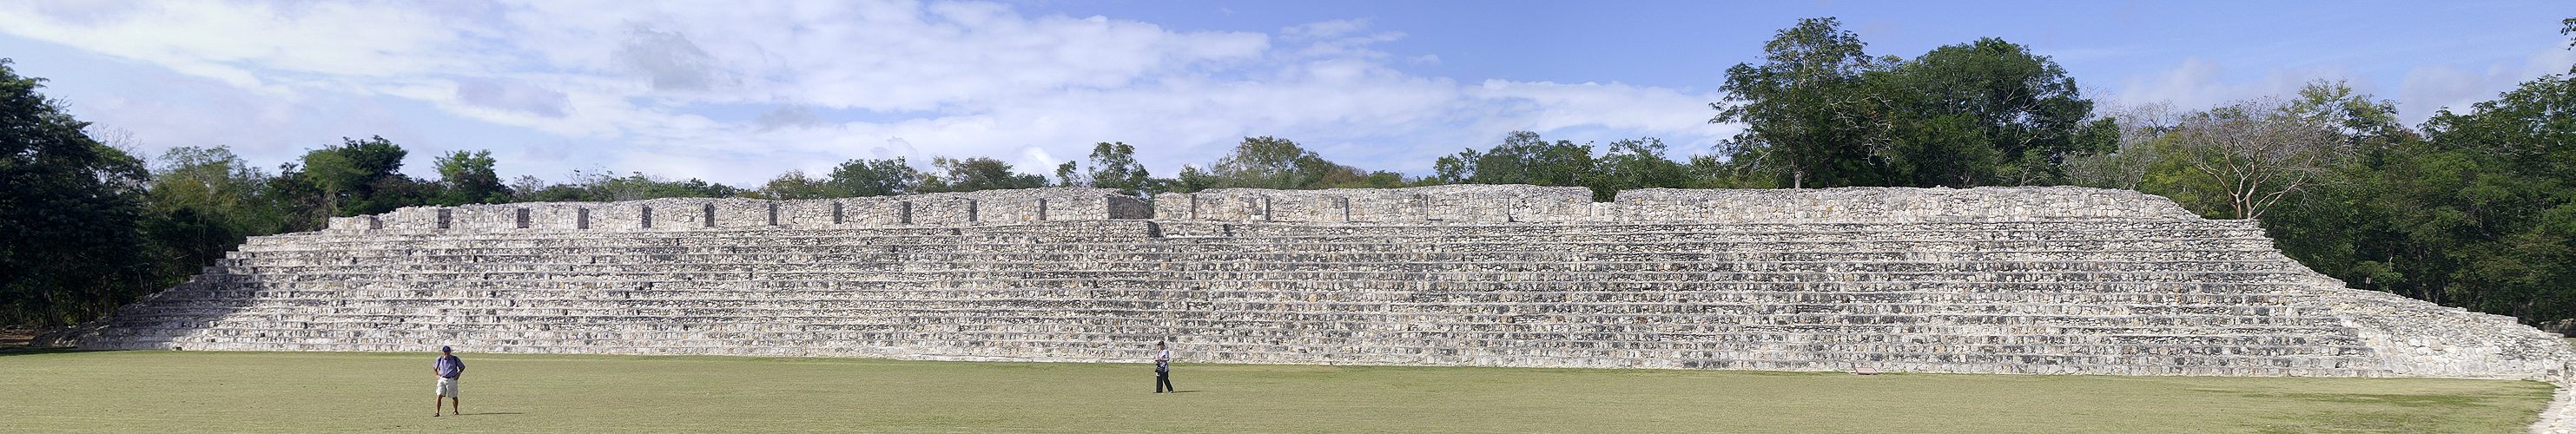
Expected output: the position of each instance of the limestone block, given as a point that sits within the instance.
(489, 218)
(622, 216)
(678, 213)
(1455, 203)
(1119, 206)
(816, 213)
(420, 218)
(1176, 206)
(1010, 210)
(949, 211)
(358, 223)
(743, 213)
(558, 216)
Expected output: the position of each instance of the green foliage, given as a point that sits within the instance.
(606, 186)
(1270, 162)
(861, 178)
(1113, 165)
(1811, 117)
(1820, 112)
(976, 174)
(2483, 213)
(794, 185)
(1637, 163)
(204, 202)
(69, 211)
(1352, 177)
(2252, 155)
(467, 177)
(1524, 158)
(1984, 113)
(349, 173)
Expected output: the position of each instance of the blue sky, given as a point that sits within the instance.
(738, 92)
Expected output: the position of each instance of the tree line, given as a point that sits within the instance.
(2467, 209)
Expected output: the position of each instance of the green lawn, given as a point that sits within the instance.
(146, 391)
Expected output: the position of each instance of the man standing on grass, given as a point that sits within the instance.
(448, 369)
(1163, 369)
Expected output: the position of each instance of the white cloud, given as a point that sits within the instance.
(636, 84)
(2424, 89)
(2431, 88)
(512, 95)
(2197, 84)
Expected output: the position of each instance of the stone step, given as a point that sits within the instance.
(1327, 246)
(787, 263)
(2253, 342)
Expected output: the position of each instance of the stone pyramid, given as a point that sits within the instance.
(2055, 280)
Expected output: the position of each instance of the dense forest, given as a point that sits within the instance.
(2468, 209)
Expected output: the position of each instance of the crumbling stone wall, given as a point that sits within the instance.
(989, 207)
(1533, 204)
(2037, 280)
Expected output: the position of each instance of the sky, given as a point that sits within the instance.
(739, 92)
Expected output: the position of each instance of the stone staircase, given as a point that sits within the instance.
(1957, 288)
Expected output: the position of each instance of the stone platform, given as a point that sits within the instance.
(2054, 280)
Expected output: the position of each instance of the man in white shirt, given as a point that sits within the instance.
(1163, 369)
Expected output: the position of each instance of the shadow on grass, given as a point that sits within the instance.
(29, 351)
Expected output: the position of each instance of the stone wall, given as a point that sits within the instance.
(937, 209)
(1988, 280)
(1533, 204)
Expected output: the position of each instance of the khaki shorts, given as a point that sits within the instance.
(446, 387)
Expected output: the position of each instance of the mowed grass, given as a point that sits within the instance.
(151, 391)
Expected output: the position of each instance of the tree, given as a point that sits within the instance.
(350, 175)
(2255, 153)
(976, 174)
(1983, 113)
(1822, 112)
(2495, 205)
(1270, 162)
(468, 178)
(68, 213)
(1810, 117)
(606, 186)
(1070, 174)
(1113, 165)
(1523, 158)
(793, 185)
(1634, 164)
(203, 202)
(859, 178)
(1353, 177)
(2125, 165)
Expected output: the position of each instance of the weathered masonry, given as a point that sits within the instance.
(1985, 280)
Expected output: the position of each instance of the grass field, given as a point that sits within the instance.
(146, 391)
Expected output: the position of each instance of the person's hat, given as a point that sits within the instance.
(443, 349)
